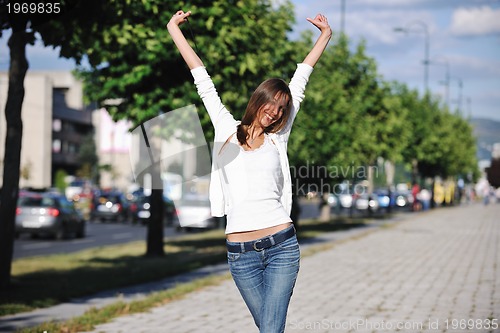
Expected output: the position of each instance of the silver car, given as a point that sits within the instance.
(47, 213)
(193, 212)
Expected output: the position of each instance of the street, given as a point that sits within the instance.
(97, 234)
(102, 234)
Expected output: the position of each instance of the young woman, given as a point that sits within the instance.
(250, 182)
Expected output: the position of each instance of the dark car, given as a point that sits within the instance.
(386, 199)
(140, 209)
(110, 206)
(48, 213)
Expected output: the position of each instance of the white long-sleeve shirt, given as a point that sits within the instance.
(227, 163)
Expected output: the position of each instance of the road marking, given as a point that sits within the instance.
(122, 235)
(36, 246)
(83, 241)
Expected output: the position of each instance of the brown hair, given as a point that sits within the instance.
(270, 91)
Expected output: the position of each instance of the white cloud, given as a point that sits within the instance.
(475, 21)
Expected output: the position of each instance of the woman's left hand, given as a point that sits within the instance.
(321, 22)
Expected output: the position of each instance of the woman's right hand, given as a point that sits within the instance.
(179, 18)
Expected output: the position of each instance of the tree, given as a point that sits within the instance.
(493, 172)
(133, 59)
(25, 28)
(88, 159)
(441, 143)
(349, 118)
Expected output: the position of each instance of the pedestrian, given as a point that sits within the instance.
(251, 182)
(414, 192)
(425, 198)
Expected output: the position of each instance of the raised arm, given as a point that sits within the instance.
(187, 52)
(321, 23)
(301, 76)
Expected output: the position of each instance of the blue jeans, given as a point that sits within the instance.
(265, 280)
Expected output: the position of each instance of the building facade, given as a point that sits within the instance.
(55, 124)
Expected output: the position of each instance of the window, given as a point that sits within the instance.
(56, 125)
(56, 146)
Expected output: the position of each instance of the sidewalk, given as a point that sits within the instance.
(78, 307)
(431, 273)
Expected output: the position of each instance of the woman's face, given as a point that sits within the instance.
(269, 114)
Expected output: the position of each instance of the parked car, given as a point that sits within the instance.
(345, 200)
(110, 206)
(75, 188)
(332, 200)
(193, 212)
(404, 199)
(385, 199)
(366, 202)
(140, 209)
(48, 213)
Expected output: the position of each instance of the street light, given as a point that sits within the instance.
(425, 30)
(460, 88)
(342, 16)
(442, 61)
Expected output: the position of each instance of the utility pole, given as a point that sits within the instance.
(342, 16)
(444, 62)
(426, 61)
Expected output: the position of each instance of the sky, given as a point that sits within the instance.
(463, 35)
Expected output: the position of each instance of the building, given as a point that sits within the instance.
(113, 142)
(55, 122)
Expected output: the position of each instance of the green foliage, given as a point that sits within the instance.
(60, 180)
(133, 58)
(88, 159)
(350, 116)
(441, 143)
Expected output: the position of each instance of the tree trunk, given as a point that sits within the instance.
(155, 223)
(12, 159)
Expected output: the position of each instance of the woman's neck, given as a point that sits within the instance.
(254, 133)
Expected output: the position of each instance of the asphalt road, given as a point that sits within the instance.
(102, 234)
(97, 234)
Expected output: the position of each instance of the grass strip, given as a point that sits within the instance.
(94, 316)
(49, 280)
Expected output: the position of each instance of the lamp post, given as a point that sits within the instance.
(460, 88)
(469, 108)
(425, 30)
(442, 61)
(342, 16)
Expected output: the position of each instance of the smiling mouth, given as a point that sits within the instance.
(269, 117)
